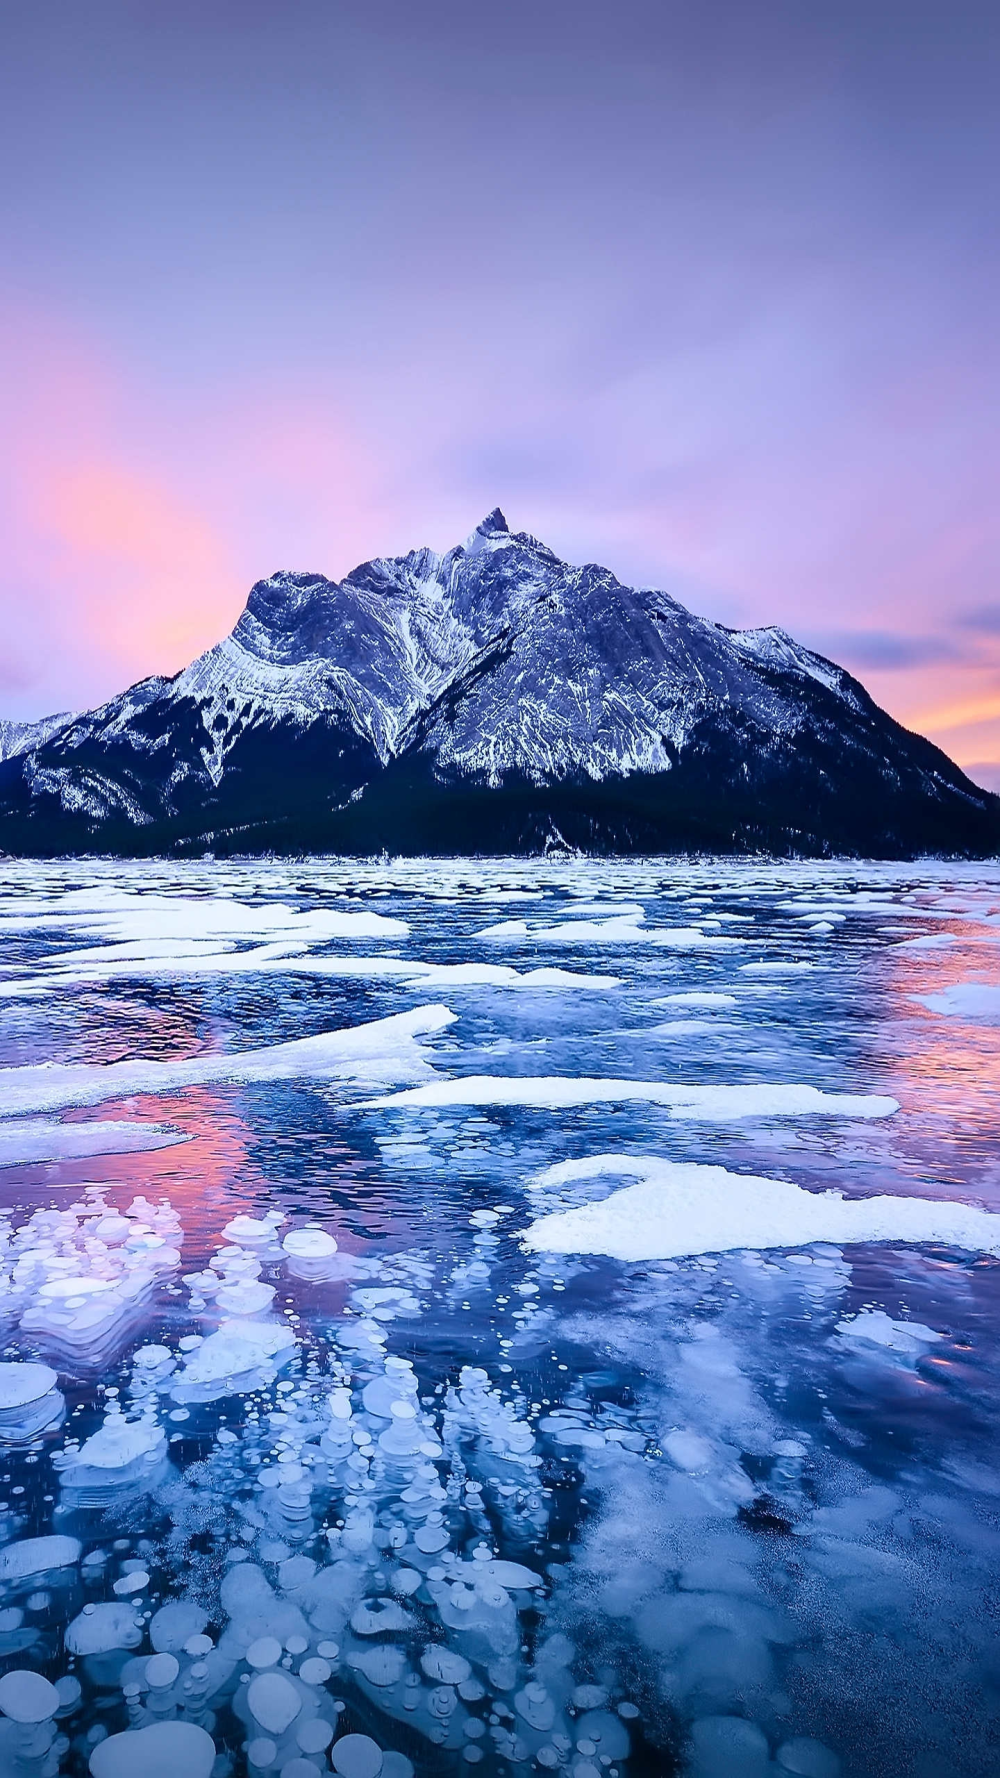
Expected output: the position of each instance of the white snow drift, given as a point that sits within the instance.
(386, 1050)
(711, 1103)
(678, 1208)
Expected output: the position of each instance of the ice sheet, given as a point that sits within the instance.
(148, 962)
(568, 1459)
(387, 1049)
(713, 1103)
(978, 1002)
(677, 1209)
(35, 1140)
(625, 929)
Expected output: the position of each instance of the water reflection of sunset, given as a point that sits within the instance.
(944, 1070)
(201, 1176)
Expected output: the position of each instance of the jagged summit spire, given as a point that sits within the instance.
(492, 529)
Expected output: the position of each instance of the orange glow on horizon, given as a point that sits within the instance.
(953, 716)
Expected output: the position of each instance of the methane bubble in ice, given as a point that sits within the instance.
(29, 1401)
(357, 1756)
(27, 1697)
(160, 1750)
(310, 1243)
(37, 1555)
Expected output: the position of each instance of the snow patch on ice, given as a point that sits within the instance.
(696, 999)
(36, 1140)
(679, 1208)
(878, 1329)
(130, 917)
(787, 967)
(621, 929)
(711, 1103)
(387, 1049)
(282, 959)
(979, 1002)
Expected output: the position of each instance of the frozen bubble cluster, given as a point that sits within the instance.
(381, 1568)
(30, 1401)
(599, 1383)
(78, 1278)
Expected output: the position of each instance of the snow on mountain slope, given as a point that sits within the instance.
(599, 679)
(378, 647)
(20, 737)
(334, 710)
(778, 649)
(586, 673)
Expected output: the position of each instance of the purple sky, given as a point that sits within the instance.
(706, 292)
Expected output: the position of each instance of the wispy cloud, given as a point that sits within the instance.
(985, 618)
(886, 648)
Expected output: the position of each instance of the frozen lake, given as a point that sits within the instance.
(534, 1316)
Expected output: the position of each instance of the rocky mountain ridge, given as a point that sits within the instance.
(493, 698)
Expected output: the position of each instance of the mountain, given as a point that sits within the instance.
(21, 737)
(491, 699)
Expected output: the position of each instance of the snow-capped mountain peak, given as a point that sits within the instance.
(492, 532)
(481, 698)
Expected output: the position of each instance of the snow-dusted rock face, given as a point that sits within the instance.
(21, 737)
(493, 698)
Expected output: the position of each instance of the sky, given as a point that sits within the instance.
(706, 292)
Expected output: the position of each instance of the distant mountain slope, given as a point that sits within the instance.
(21, 737)
(490, 699)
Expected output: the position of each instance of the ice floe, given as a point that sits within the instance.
(386, 1049)
(33, 1139)
(711, 1103)
(679, 1208)
(978, 1002)
(626, 929)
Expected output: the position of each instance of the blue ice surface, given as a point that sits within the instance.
(309, 1459)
